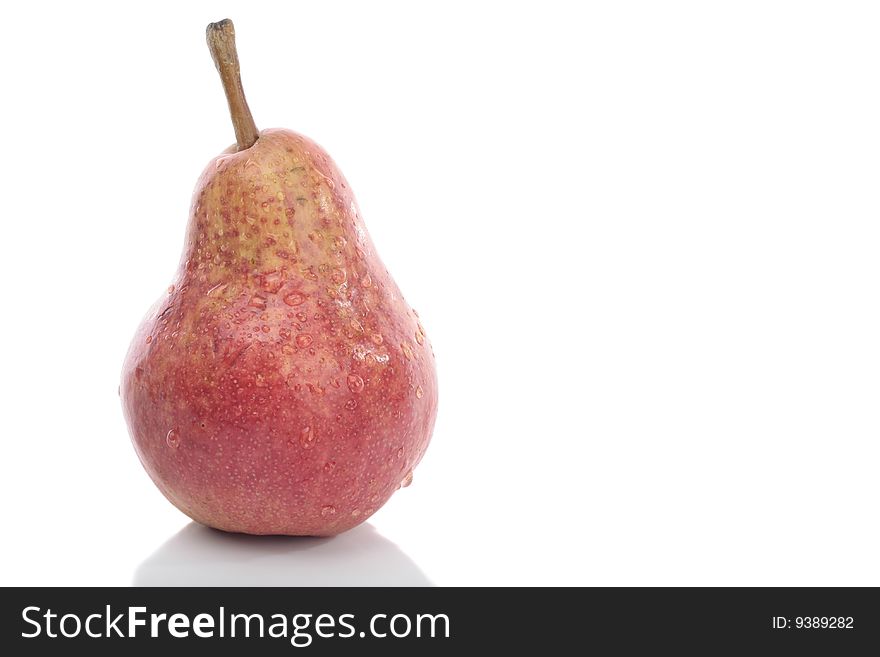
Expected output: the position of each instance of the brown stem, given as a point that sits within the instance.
(221, 42)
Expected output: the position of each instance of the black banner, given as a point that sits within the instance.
(437, 620)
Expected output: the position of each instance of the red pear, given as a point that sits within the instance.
(281, 385)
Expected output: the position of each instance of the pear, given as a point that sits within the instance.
(281, 385)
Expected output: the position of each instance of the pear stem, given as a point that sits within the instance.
(221, 42)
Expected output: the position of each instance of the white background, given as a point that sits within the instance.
(644, 241)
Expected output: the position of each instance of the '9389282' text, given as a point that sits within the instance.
(813, 623)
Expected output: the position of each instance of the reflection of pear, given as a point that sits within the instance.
(283, 385)
(198, 556)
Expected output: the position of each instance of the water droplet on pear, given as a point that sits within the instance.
(307, 437)
(294, 299)
(355, 383)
